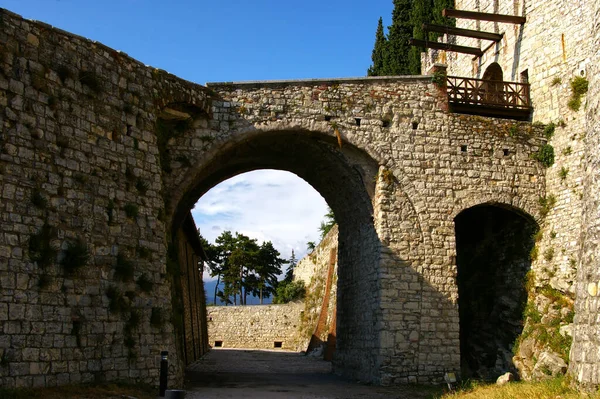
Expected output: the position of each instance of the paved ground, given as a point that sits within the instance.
(227, 373)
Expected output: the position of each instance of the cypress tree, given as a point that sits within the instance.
(379, 52)
(393, 55)
(422, 12)
(396, 60)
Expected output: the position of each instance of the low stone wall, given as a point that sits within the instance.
(256, 327)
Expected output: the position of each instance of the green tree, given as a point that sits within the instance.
(288, 291)
(392, 54)
(421, 13)
(292, 262)
(268, 267)
(243, 267)
(379, 52)
(328, 223)
(399, 33)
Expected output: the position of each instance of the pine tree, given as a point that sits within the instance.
(289, 273)
(379, 51)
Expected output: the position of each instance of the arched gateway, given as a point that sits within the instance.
(120, 152)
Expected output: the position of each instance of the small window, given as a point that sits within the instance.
(218, 344)
(277, 344)
(357, 121)
(327, 118)
(463, 148)
(386, 123)
(415, 125)
(506, 152)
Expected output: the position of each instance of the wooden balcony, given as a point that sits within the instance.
(489, 98)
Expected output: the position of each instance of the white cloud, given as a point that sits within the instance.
(268, 205)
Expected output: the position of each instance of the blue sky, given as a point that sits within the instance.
(207, 41)
(234, 40)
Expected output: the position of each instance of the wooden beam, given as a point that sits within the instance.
(462, 32)
(483, 16)
(446, 46)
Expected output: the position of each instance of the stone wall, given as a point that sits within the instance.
(256, 327)
(100, 151)
(553, 47)
(586, 334)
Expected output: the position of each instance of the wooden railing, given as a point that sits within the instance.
(488, 93)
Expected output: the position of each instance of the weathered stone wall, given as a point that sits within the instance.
(79, 169)
(554, 46)
(586, 332)
(89, 136)
(256, 327)
(314, 270)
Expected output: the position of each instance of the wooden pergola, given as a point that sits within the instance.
(462, 14)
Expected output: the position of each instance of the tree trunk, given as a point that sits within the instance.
(261, 297)
(216, 289)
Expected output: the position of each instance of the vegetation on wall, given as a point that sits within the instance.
(545, 155)
(579, 87)
(75, 256)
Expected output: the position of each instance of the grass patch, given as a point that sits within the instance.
(549, 130)
(116, 300)
(131, 210)
(38, 200)
(548, 389)
(157, 318)
(145, 283)
(124, 269)
(89, 79)
(41, 249)
(142, 186)
(546, 204)
(75, 256)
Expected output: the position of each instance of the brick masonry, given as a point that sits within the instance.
(96, 133)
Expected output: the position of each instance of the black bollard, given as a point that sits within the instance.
(164, 373)
(175, 394)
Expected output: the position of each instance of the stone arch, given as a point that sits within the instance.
(345, 178)
(472, 198)
(493, 246)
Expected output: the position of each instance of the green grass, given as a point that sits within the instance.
(549, 389)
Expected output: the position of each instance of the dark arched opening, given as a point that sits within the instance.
(493, 246)
(492, 87)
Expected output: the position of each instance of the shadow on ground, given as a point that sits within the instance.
(228, 373)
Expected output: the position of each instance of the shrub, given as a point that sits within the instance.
(289, 291)
(75, 256)
(145, 283)
(41, 249)
(124, 269)
(38, 199)
(545, 155)
(131, 210)
(579, 87)
(157, 318)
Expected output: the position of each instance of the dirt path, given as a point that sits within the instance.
(227, 373)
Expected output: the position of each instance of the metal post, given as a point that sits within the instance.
(164, 373)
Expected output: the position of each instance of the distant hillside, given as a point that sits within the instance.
(209, 289)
